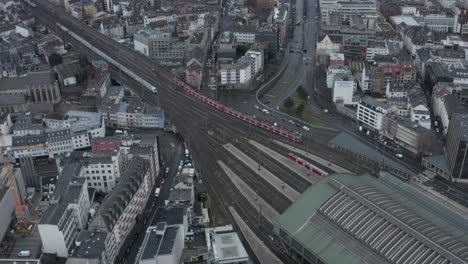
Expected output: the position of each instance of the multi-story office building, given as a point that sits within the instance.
(68, 209)
(237, 73)
(372, 112)
(456, 147)
(159, 45)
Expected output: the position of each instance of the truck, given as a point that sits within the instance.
(153, 89)
(157, 192)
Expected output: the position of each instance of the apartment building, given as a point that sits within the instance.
(119, 210)
(82, 125)
(371, 112)
(59, 141)
(129, 112)
(103, 169)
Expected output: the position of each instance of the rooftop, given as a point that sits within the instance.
(361, 219)
(347, 141)
(159, 241)
(90, 245)
(116, 202)
(227, 246)
(169, 215)
(30, 80)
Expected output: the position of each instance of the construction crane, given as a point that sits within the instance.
(21, 209)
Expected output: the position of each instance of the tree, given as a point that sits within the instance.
(300, 109)
(288, 103)
(301, 92)
(84, 61)
(55, 59)
(241, 50)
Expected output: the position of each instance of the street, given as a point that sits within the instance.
(171, 151)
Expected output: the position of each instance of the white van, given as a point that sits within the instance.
(24, 253)
(156, 193)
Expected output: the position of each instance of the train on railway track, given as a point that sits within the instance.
(306, 164)
(187, 88)
(30, 3)
(239, 115)
(124, 69)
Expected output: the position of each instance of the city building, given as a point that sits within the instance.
(89, 248)
(224, 246)
(333, 70)
(117, 214)
(376, 47)
(113, 29)
(355, 47)
(242, 33)
(68, 210)
(363, 219)
(456, 147)
(194, 70)
(159, 45)
(103, 169)
(337, 59)
(19, 94)
(343, 89)
(371, 112)
(239, 73)
(82, 125)
(408, 134)
(397, 68)
(129, 112)
(162, 244)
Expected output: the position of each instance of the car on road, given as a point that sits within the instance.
(306, 128)
(398, 155)
(265, 111)
(161, 185)
(24, 253)
(167, 170)
(257, 107)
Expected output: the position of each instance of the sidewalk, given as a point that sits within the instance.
(269, 177)
(264, 255)
(255, 200)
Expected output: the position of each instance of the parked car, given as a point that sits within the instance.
(306, 128)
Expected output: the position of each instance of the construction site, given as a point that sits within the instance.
(20, 213)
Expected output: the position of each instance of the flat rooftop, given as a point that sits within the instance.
(91, 245)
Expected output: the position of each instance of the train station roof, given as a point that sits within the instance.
(361, 219)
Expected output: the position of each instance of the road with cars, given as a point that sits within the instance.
(171, 150)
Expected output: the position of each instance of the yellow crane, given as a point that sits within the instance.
(21, 209)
